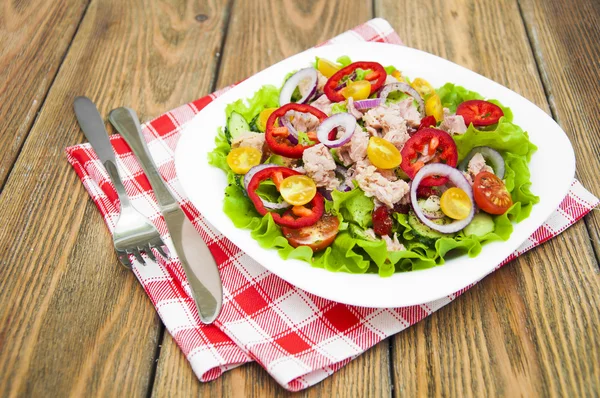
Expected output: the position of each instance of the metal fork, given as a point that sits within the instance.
(133, 233)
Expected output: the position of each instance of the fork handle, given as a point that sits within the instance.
(126, 121)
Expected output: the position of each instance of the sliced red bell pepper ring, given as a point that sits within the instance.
(315, 211)
(439, 147)
(280, 144)
(377, 79)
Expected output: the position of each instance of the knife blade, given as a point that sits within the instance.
(196, 259)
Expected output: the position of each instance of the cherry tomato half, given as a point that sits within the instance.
(298, 190)
(423, 87)
(455, 203)
(433, 107)
(358, 90)
(240, 160)
(317, 236)
(327, 68)
(480, 113)
(383, 154)
(382, 221)
(491, 194)
(427, 121)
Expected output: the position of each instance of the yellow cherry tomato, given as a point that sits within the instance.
(455, 203)
(263, 117)
(433, 107)
(298, 190)
(327, 68)
(397, 74)
(243, 159)
(383, 154)
(423, 87)
(359, 90)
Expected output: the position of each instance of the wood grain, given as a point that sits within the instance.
(72, 321)
(565, 37)
(34, 37)
(259, 35)
(523, 331)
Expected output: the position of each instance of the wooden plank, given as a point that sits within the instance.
(366, 376)
(566, 41)
(525, 329)
(34, 36)
(72, 321)
(259, 35)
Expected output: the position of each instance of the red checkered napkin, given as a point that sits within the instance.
(299, 338)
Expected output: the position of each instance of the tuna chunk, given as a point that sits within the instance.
(352, 109)
(477, 165)
(453, 124)
(390, 79)
(409, 112)
(321, 80)
(323, 104)
(303, 121)
(356, 149)
(376, 185)
(393, 245)
(397, 135)
(249, 139)
(319, 165)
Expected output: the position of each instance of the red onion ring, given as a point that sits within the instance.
(459, 180)
(293, 136)
(406, 89)
(285, 96)
(368, 103)
(252, 172)
(344, 120)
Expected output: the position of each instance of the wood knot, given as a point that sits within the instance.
(201, 17)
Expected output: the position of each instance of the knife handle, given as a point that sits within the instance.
(127, 124)
(92, 125)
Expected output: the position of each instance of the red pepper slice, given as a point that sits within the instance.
(378, 74)
(479, 112)
(314, 213)
(280, 144)
(428, 145)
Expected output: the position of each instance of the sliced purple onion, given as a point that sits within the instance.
(368, 103)
(293, 136)
(351, 77)
(266, 203)
(459, 180)
(345, 121)
(490, 155)
(308, 75)
(406, 89)
(325, 192)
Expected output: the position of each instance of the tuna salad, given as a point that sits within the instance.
(354, 167)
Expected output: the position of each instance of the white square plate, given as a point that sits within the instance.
(550, 178)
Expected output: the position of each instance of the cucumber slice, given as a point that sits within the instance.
(481, 225)
(428, 207)
(423, 232)
(236, 125)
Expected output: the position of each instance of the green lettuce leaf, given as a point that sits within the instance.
(344, 60)
(352, 206)
(339, 107)
(218, 156)
(266, 97)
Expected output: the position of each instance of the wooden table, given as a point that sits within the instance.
(73, 322)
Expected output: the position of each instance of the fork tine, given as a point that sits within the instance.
(124, 259)
(149, 253)
(161, 251)
(138, 256)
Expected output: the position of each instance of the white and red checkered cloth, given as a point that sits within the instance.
(299, 338)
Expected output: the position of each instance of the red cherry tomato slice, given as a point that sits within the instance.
(426, 146)
(491, 194)
(427, 121)
(382, 221)
(317, 236)
(480, 113)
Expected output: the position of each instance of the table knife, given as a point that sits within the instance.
(196, 259)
